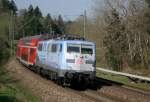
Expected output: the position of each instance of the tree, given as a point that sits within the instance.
(61, 24)
(126, 33)
(13, 7)
(4, 25)
(148, 2)
(76, 27)
(47, 24)
(5, 4)
(37, 12)
(115, 40)
(55, 27)
(32, 21)
(30, 11)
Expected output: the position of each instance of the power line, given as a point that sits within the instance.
(84, 24)
(84, 15)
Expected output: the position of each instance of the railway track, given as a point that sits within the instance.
(93, 96)
(98, 96)
(116, 84)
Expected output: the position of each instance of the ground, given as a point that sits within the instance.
(47, 90)
(31, 87)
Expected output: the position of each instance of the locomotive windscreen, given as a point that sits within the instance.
(73, 48)
(86, 51)
(77, 48)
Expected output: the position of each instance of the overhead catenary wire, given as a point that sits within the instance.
(84, 15)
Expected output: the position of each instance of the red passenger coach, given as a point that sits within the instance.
(27, 49)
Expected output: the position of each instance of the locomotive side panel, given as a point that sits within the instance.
(49, 55)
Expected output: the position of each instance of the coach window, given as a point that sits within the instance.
(40, 47)
(54, 48)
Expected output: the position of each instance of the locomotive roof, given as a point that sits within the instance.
(70, 41)
(74, 38)
(71, 37)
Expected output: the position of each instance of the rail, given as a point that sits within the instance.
(124, 74)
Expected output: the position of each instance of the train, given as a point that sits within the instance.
(66, 58)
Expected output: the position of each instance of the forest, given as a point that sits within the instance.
(120, 28)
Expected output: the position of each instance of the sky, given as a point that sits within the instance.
(69, 9)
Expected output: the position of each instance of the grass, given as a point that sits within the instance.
(7, 95)
(124, 80)
(13, 90)
(27, 93)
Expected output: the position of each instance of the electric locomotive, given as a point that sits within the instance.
(67, 59)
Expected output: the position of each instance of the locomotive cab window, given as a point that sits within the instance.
(86, 49)
(73, 48)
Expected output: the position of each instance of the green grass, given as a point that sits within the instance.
(27, 93)
(124, 80)
(7, 95)
(13, 90)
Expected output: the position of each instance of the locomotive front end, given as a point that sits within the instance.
(80, 60)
